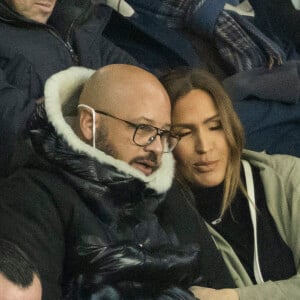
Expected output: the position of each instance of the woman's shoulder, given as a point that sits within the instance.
(276, 161)
(285, 167)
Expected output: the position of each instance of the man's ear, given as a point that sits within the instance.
(86, 125)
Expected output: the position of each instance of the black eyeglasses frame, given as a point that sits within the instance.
(159, 132)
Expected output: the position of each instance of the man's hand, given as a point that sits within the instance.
(203, 293)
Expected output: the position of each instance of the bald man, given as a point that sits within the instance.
(131, 108)
(85, 208)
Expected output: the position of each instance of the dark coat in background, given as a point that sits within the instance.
(279, 19)
(165, 34)
(31, 52)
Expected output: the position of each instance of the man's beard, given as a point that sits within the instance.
(103, 144)
(108, 148)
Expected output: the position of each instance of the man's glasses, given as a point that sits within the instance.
(145, 134)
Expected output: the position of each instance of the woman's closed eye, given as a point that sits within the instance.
(182, 133)
(216, 125)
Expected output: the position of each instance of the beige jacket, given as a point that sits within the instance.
(281, 179)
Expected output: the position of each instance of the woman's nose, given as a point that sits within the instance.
(203, 143)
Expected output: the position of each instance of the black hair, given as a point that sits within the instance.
(15, 265)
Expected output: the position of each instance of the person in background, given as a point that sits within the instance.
(38, 39)
(278, 19)
(19, 279)
(166, 34)
(249, 200)
(84, 208)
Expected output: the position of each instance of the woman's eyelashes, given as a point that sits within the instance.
(188, 131)
(183, 134)
(181, 131)
(215, 125)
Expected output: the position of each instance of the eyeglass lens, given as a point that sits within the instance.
(146, 134)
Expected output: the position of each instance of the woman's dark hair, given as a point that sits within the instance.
(178, 84)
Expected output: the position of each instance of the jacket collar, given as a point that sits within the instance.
(61, 98)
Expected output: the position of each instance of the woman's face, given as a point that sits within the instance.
(202, 153)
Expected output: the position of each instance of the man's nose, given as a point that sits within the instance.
(156, 146)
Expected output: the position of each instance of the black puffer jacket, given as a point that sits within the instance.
(89, 221)
(31, 52)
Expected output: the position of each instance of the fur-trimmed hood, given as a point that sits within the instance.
(62, 92)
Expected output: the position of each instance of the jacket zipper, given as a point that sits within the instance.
(52, 30)
(67, 44)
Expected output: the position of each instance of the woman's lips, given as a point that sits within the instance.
(205, 166)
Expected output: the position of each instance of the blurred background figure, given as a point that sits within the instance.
(259, 69)
(38, 39)
(19, 279)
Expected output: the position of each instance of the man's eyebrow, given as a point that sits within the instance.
(144, 120)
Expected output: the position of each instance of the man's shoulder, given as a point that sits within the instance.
(37, 187)
(44, 175)
(37, 211)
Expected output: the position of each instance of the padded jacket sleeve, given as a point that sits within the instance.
(36, 213)
(134, 271)
(19, 86)
(111, 293)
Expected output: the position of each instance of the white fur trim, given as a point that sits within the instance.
(121, 6)
(59, 89)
